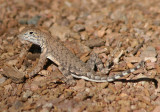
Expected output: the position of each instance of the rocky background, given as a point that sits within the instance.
(122, 32)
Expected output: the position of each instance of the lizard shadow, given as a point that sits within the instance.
(139, 80)
(37, 49)
(34, 49)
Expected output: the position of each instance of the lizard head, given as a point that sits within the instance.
(32, 35)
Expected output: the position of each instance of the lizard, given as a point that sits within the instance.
(68, 63)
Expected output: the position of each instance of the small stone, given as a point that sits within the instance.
(123, 28)
(124, 109)
(150, 65)
(13, 73)
(80, 85)
(48, 23)
(101, 32)
(23, 21)
(119, 14)
(101, 50)
(87, 90)
(118, 85)
(149, 54)
(140, 110)
(134, 43)
(84, 36)
(26, 95)
(12, 62)
(133, 107)
(61, 32)
(153, 97)
(108, 31)
(152, 59)
(75, 36)
(158, 47)
(18, 104)
(156, 109)
(7, 87)
(47, 107)
(44, 110)
(124, 102)
(146, 100)
(132, 59)
(142, 105)
(149, 33)
(78, 28)
(71, 17)
(111, 98)
(34, 20)
(2, 79)
(130, 65)
(34, 87)
(96, 42)
(84, 57)
(12, 23)
(102, 85)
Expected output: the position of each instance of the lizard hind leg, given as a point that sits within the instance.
(96, 61)
(92, 61)
(68, 78)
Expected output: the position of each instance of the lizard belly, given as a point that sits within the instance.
(53, 59)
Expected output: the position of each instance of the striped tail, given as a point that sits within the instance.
(96, 78)
(124, 73)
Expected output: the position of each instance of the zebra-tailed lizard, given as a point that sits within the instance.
(70, 65)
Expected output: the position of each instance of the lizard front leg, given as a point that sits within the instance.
(67, 76)
(40, 64)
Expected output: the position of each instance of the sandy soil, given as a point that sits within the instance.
(120, 31)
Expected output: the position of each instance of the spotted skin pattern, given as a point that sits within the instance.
(69, 64)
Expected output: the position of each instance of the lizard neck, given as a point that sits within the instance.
(42, 44)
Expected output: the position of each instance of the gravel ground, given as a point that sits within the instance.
(122, 32)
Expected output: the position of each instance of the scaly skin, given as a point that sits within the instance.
(70, 65)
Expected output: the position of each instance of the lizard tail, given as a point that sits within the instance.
(96, 78)
(124, 73)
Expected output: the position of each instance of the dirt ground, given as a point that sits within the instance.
(122, 32)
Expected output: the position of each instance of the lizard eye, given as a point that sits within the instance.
(30, 32)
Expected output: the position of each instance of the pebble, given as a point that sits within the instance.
(76, 23)
(84, 36)
(26, 95)
(132, 59)
(2, 79)
(118, 14)
(80, 85)
(34, 87)
(101, 32)
(78, 28)
(150, 65)
(157, 108)
(18, 104)
(46, 107)
(18, 76)
(34, 20)
(61, 32)
(149, 54)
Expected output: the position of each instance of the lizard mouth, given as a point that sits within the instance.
(23, 41)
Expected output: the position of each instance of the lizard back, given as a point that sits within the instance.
(53, 49)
